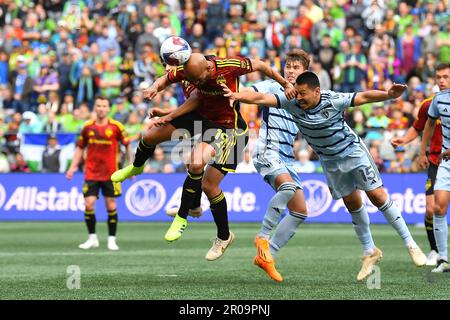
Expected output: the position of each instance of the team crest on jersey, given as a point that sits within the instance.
(108, 132)
(325, 114)
(221, 79)
(91, 133)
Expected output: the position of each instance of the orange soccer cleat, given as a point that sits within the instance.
(269, 268)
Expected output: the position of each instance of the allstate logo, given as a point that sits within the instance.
(145, 197)
(318, 197)
(2, 195)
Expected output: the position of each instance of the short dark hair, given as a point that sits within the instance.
(442, 66)
(309, 78)
(100, 97)
(300, 56)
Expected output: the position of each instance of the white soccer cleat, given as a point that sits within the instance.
(92, 242)
(112, 244)
(367, 264)
(442, 266)
(218, 248)
(417, 256)
(432, 258)
(195, 212)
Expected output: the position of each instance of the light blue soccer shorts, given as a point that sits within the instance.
(443, 176)
(269, 165)
(355, 171)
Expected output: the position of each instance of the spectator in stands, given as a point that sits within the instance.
(4, 163)
(19, 165)
(377, 123)
(46, 81)
(51, 156)
(30, 124)
(22, 88)
(303, 164)
(379, 162)
(159, 163)
(401, 164)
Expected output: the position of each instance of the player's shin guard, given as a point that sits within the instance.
(112, 222)
(361, 224)
(441, 234)
(276, 206)
(89, 218)
(143, 152)
(192, 187)
(394, 217)
(430, 233)
(285, 230)
(218, 206)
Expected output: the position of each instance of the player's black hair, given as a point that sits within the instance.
(309, 78)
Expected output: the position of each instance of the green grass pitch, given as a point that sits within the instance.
(320, 262)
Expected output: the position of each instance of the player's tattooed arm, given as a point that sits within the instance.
(251, 97)
(370, 96)
(188, 106)
(289, 89)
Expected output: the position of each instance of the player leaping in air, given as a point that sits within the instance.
(347, 164)
(223, 133)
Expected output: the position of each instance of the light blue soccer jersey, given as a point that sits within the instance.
(323, 126)
(440, 107)
(278, 129)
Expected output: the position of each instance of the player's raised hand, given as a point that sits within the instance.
(290, 91)
(397, 142)
(149, 93)
(163, 121)
(157, 112)
(396, 90)
(423, 161)
(229, 94)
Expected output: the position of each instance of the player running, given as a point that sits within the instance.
(223, 131)
(347, 164)
(101, 137)
(442, 76)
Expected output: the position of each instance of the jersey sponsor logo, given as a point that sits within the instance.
(318, 198)
(2, 195)
(145, 197)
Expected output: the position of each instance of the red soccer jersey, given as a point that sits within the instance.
(102, 148)
(436, 140)
(215, 106)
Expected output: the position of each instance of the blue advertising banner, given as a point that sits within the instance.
(51, 197)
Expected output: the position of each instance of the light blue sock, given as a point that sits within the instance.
(285, 230)
(276, 206)
(441, 235)
(361, 224)
(394, 217)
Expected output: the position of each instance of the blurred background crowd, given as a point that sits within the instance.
(55, 56)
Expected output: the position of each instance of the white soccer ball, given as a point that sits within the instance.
(175, 51)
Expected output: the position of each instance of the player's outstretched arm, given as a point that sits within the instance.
(75, 162)
(188, 106)
(289, 89)
(370, 96)
(426, 137)
(159, 85)
(249, 96)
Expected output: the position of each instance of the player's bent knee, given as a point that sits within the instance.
(378, 197)
(196, 167)
(288, 189)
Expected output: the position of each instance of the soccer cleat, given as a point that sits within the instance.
(418, 257)
(442, 266)
(432, 258)
(269, 268)
(92, 242)
(176, 229)
(112, 245)
(263, 247)
(127, 172)
(195, 212)
(367, 264)
(218, 248)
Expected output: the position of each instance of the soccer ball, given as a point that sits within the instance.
(175, 51)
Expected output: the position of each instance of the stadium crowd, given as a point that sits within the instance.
(55, 56)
